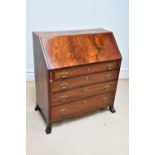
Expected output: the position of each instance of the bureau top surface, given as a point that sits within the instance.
(72, 48)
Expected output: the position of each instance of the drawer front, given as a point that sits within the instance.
(78, 93)
(83, 80)
(82, 70)
(84, 105)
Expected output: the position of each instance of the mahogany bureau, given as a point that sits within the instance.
(76, 72)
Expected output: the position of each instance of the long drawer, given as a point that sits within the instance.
(83, 80)
(84, 70)
(84, 105)
(86, 91)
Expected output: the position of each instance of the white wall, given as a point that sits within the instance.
(46, 15)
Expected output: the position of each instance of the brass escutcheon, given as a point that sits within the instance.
(88, 69)
(84, 101)
(87, 77)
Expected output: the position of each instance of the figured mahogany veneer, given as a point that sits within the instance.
(76, 72)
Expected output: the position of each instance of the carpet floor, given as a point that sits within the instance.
(98, 133)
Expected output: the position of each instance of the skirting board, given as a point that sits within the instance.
(124, 74)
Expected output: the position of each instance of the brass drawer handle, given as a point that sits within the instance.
(63, 98)
(110, 66)
(64, 74)
(107, 86)
(62, 111)
(88, 69)
(104, 99)
(108, 75)
(63, 85)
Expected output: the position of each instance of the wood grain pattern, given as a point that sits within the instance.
(73, 108)
(73, 50)
(41, 78)
(76, 72)
(87, 69)
(69, 83)
(78, 93)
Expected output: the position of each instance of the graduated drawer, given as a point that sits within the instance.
(84, 106)
(65, 84)
(82, 70)
(86, 91)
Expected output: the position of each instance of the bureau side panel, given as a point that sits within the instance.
(41, 78)
(117, 79)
